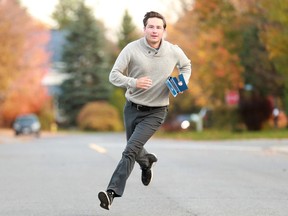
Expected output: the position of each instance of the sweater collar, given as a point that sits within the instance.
(150, 50)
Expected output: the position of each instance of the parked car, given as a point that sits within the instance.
(194, 121)
(27, 124)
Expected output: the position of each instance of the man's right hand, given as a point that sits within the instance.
(144, 83)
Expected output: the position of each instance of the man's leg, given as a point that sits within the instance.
(130, 124)
(146, 124)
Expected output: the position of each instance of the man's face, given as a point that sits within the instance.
(154, 31)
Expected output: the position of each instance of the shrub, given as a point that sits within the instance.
(46, 117)
(99, 116)
(255, 110)
(224, 118)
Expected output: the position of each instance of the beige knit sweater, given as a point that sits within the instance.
(138, 59)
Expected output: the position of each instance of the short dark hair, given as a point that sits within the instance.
(153, 14)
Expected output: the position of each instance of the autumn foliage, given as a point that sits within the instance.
(233, 44)
(216, 70)
(23, 62)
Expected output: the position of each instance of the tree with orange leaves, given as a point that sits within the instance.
(23, 62)
(202, 32)
(224, 40)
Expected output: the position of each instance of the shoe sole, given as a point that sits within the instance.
(104, 199)
(153, 164)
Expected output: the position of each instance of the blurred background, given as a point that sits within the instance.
(55, 59)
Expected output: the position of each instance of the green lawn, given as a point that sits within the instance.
(225, 134)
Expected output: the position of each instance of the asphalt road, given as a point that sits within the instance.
(60, 175)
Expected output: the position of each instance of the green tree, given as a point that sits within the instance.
(259, 71)
(128, 31)
(65, 12)
(86, 62)
(274, 33)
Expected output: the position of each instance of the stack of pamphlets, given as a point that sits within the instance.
(176, 85)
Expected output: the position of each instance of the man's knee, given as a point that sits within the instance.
(132, 151)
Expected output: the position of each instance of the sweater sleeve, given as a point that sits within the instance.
(119, 73)
(184, 64)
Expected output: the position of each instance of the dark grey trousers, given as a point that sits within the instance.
(140, 127)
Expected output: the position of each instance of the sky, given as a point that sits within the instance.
(109, 11)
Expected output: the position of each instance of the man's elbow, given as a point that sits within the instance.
(111, 78)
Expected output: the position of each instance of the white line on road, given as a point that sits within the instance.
(97, 148)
